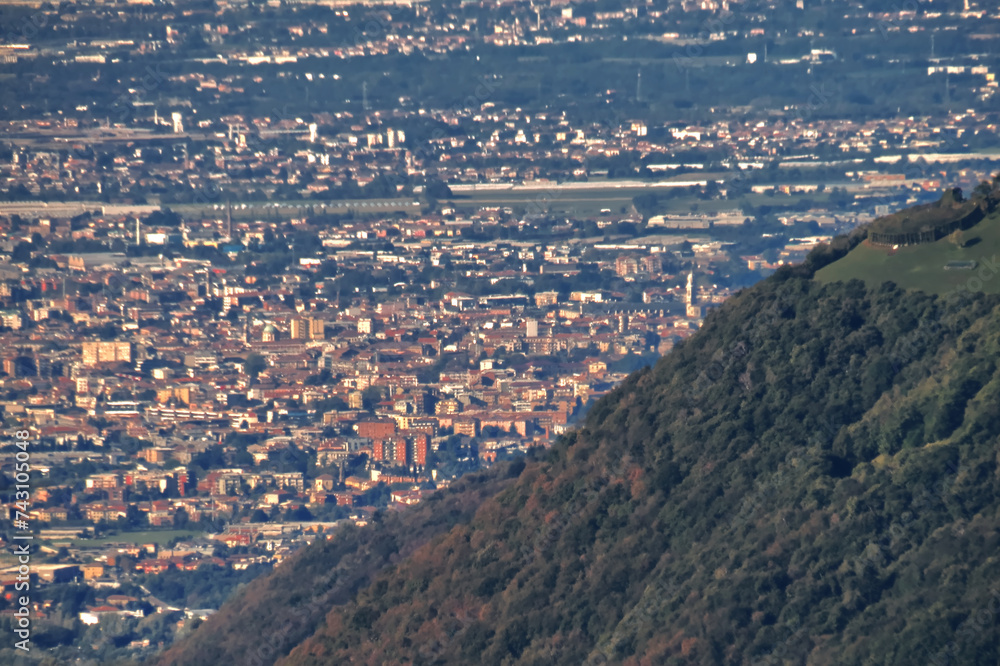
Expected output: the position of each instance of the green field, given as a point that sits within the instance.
(283, 210)
(159, 537)
(578, 202)
(591, 202)
(922, 267)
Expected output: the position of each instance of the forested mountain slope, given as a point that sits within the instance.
(812, 477)
(274, 613)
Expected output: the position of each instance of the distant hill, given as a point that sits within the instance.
(811, 478)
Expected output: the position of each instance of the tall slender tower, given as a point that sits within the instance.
(689, 298)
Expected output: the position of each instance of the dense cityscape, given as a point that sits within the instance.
(269, 269)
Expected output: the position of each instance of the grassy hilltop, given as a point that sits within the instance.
(936, 267)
